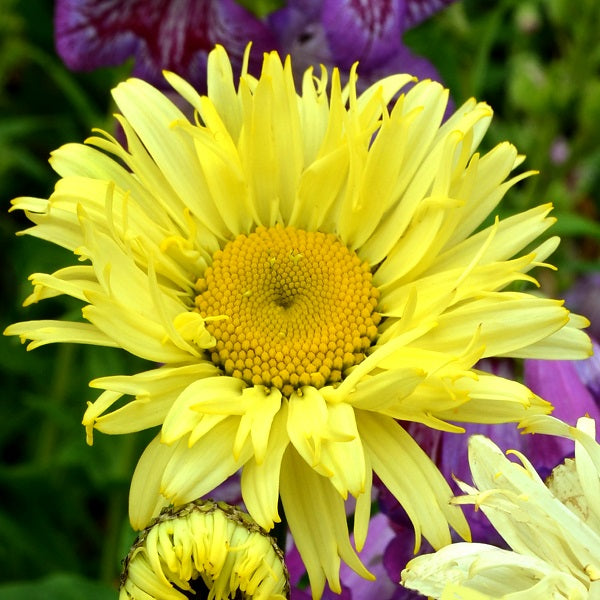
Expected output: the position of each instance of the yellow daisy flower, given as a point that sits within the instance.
(553, 529)
(307, 269)
(205, 548)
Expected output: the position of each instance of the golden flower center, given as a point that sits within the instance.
(299, 307)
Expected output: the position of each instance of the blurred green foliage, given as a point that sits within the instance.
(63, 505)
(537, 63)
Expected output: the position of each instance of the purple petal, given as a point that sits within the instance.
(582, 298)
(453, 460)
(340, 32)
(294, 22)
(589, 372)
(380, 534)
(397, 553)
(363, 30)
(399, 550)
(293, 562)
(301, 594)
(229, 491)
(175, 35)
(301, 34)
(402, 61)
(559, 382)
(419, 10)
(89, 33)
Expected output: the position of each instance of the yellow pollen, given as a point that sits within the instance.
(300, 308)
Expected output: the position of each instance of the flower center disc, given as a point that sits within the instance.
(299, 307)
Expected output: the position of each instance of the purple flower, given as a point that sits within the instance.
(160, 34)
(341, 32)
(176, 35)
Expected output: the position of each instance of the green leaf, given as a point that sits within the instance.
(571, 225)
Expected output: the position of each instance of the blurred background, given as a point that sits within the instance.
(63, 504)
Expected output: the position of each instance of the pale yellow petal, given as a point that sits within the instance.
(493, 399)
(61, 227)
(314, 112)
(344, 459)
(453, 286)
(522, 509)
(420, 175)
(505, 322)
(82, 161)
(221, 90)
(317, 520)
(482, 572)
(155, 393)
(319, 187)
(152, 180)
(568, 343)
(587, 462)
(151, 115)
(51, 332)
(261, 406)
(362, 514)
(412, 248)
(385, 88)
(260, 481)
(145, 499)
(386, 389)
(127, 329)
(512, 235)
(187, 410)
(72, 281)
(419, 486)
(306, 426)
(487, 190)
(222, 170)
(194, 472)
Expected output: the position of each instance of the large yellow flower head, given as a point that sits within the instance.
(307, 269)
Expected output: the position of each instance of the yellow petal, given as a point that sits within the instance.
(317, 520)
(186, 412)
(51, 332)
(260, 481)
(261, 406)
(419, 487)
(194, 472)
(145, 499)
(155, 393)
